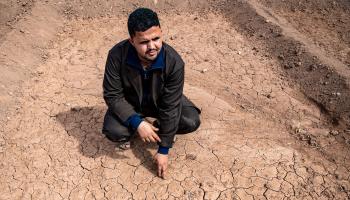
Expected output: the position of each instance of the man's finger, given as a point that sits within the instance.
(152, 139)
(163, 173)
(159, 171)
(156, 137)
(155, 128)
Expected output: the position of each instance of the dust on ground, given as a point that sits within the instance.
(265, 133)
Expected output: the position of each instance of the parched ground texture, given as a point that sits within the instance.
(262, 135)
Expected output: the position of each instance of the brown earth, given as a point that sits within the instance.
(271, 78)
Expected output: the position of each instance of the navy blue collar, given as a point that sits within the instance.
(133, 60)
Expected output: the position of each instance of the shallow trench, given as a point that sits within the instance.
(53, 147)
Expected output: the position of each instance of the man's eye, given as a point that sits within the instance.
(155, 39)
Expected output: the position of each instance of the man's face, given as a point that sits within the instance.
(148, 43)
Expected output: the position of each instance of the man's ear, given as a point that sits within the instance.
(131, 41)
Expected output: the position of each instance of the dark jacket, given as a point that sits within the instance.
(122, 89)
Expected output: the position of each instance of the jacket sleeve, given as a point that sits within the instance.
(170, 104)
(113, 90)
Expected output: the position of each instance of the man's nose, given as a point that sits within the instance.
(151, 45)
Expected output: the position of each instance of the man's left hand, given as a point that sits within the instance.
(162, 164)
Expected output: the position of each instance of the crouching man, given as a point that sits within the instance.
(144, 77)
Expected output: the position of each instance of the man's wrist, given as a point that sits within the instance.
(134, 121)
(163, 150)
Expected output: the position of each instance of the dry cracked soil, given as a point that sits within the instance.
(271, 78)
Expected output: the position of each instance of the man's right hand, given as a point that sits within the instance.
(147, 132)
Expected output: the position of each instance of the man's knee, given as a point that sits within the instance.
(113, 129)
(114, 133)
(189, 121)
(194, 123)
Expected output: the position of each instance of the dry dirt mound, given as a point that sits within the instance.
(261, 137)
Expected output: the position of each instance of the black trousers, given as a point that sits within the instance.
(115, 131)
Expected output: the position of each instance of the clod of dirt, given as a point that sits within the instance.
(347, 141)
(288, 66)
(255, 49)
(334, 132)
(312, 67)
(281, 57)
(75, 109)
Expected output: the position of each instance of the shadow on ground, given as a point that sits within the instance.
(85, 125)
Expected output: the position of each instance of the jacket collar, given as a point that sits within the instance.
(133, 60)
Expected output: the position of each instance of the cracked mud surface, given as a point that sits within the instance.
(260, 137)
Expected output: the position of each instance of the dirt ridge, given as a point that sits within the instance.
(322, 78)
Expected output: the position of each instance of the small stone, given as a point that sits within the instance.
(74, 109)
(267, 21)
(191, 157)
(173, 37)
(195, 18)
(44, 56)
(33, 97)
(337, 94)
(337, 176)
(239, 52)
(278, 35)
(298, 64)
(298, 52)
(334, 132)
(204, 70)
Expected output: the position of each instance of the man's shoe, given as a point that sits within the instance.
(123, 144)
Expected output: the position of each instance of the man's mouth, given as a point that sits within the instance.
(152, 52)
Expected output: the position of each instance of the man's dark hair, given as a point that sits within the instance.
(141, 20)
